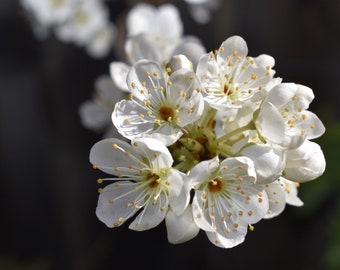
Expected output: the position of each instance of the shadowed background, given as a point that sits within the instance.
(48, 190)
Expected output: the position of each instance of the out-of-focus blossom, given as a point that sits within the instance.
(95, 114)
(85, 23)
(202, 10)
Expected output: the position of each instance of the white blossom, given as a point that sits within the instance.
(145, 180)
(95, 114)
(283, 118)
(227, 199)
(159, 106)
(230, 77)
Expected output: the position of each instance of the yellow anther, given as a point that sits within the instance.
(99, 181)
(253, 76)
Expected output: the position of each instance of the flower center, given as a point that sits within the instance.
(153, 179)
(81, 17)
(215, 185)
(57, 3)
(166, 113)
(228, 91)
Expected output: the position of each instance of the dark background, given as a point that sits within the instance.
(48, 190)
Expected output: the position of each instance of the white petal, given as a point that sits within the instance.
(112, 206)
(180, 228)
(142, 79)
(228, 239)
(105, 87)
(106, 157)
(270, 124)
(277, 199)
(198, 214)
(192, 49)
(166, 134)
(169, 13)
(291, 192)
(138, 19)
(128, 120)
(156, 152)
(179, 191)
(143, 46)
(269, 163)
(305, 163)
(94, 115)
(152, 215)
(202, 171)
(230, 45)
(118, 72)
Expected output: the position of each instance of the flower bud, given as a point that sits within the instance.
(305, 163)
(177, 62)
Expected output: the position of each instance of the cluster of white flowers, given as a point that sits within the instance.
(85, 23)
(212, 141)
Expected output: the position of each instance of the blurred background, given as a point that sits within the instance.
(48, 190)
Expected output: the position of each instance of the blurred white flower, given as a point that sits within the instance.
(201, 10)
(100, 45)
(86, 19)
(95, 114)
(45, 14)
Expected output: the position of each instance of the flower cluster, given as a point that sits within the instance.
(82, 22)
(212, 141)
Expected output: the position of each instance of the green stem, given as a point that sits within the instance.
(249, 126)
